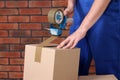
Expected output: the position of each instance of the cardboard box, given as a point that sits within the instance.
(55, 64)
(98, 77)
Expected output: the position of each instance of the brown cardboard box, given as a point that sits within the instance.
(55, 64)
(96, 77)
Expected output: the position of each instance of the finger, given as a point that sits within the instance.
(69, 23)
(74, 44)
(66, 12)
(68, 45)
(63, 43)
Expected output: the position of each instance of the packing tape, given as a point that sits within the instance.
(55, 16)
(40, 46)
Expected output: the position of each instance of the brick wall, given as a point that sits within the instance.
(22, 22)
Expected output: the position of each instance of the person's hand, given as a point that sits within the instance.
(72, 40)
(68, 12)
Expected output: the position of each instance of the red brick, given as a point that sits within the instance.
(9, 68)
(8, 26)
(65, 33)
(8, 11)
(45, 25)
(46, 0)
(4, 47)
(58, 40)
(39, 3)
(22, 68)
(59, 3)
(16, 4)
(9, 40)
(10, 54)
(23, 54)
(17, 47)
(3, 60)
(18, 18)
(17, 61)
(3, 75)
(30, 11)
(15, 75)
(60, 0)
(45, 11)
(30, 40)
(30, 26)
(39, 19)
(19, 33)
(1, 4)
(3, 33)
(3, 18)
(40, 33)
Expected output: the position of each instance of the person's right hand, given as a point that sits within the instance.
(68, 12)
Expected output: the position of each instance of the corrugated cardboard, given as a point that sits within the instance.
(98, 77)
(55, 64)
(44, 43)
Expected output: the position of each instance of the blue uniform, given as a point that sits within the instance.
(102, 42)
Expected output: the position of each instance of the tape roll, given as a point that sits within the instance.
(55, 16)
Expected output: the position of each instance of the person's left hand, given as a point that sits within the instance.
(72, 40)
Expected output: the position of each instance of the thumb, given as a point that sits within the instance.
(66, 12)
